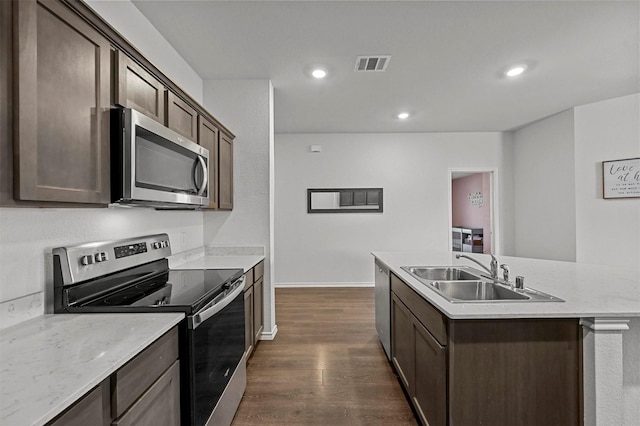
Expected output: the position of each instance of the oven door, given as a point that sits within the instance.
(158, 166)
(217, 377)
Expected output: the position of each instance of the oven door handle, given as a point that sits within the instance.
(207, 313)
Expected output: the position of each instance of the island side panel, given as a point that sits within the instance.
(516, 372)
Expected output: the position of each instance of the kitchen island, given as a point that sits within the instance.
(603, 300)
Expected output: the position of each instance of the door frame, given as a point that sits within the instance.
(495, 197)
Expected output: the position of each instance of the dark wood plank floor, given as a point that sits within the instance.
(325, 366)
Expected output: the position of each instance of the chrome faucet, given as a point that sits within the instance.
(493, 265)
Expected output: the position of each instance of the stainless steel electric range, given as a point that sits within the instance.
(133, 275)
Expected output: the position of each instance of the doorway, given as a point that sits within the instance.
(472, 211)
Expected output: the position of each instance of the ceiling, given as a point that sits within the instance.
(446, 65)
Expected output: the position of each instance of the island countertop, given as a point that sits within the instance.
(588, 291)
(51, 361)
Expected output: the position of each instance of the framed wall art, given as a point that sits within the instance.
(621, 178)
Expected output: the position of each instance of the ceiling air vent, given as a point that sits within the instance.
(372, 63)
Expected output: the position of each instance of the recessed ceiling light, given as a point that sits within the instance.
(403, 115)
(515, 71)
(319, 73)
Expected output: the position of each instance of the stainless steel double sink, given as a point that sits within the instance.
(462, 284)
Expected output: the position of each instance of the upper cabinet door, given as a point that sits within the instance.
(136, 88)
(225, 174)
(208, 138)
(62, 84)
(181, 117)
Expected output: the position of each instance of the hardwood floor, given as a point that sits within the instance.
(325, 366)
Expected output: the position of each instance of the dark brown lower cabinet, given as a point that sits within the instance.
(160, 404)
(524, 372)
(421, 364)
(515, 372)
(402, 342)
(92, 409)
(248, 321)
(258, 301)
(430, 389)
(253, 307)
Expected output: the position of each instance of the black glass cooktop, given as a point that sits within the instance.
(150, 290)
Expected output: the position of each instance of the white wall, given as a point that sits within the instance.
(544, 189)
(413, 170)
(246, 108)
(125, 17)
(28, 235)
(607, 230)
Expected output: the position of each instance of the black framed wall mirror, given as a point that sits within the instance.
(344, 200)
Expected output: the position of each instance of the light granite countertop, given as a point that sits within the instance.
(222, 262)
(588, 291)
(49, 362)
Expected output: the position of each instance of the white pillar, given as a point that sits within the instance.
(603, 370)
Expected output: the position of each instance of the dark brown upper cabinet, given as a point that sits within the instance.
(208, 138)
(62, 98)
(181, 117)
(137, 89)
(225, 174)
(62, 67)
(6, 105)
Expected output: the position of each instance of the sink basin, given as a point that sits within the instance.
(441, 273)
(463, 284)
(470, 291)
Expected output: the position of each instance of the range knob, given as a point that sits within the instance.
(160, 244)
(101, 257)
(87, 260)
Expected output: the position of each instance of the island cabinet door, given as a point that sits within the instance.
(524, 372)
(402, 342)
(63, 90)
(430, 389)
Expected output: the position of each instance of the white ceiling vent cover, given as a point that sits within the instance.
(376, 63)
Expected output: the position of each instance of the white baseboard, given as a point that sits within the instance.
(305, 285)
(269, 335)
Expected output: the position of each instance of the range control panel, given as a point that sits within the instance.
(130, 250)
(90, 260)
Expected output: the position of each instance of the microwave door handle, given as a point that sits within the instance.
(207, 313)
(205, 175)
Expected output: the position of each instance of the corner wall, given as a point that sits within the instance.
(544, 189)
(246, 108)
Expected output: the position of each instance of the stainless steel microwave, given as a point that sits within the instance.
(154, 166)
